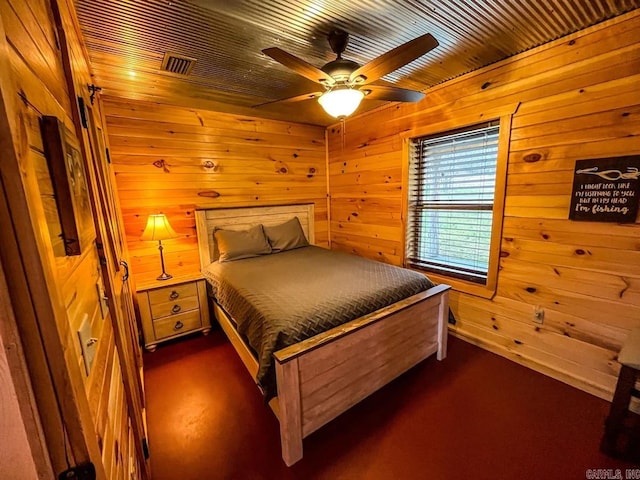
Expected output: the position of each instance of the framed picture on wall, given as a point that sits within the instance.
(69, 180)
(606, 190)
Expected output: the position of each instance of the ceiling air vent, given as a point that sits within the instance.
(177, 63)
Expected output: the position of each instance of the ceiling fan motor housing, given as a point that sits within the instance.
(340, 69)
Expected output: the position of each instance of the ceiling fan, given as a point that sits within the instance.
(346, 83)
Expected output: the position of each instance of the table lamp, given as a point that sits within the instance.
(158, 228)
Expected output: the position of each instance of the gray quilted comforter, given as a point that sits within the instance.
(280, 299)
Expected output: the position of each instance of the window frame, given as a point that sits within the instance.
(489, 289)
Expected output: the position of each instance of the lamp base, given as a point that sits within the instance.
(164, 276)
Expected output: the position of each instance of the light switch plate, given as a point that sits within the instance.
(87, 343)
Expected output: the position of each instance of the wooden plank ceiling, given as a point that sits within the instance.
(127, 40)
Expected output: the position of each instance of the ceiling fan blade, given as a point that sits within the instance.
(299, 66)
(394, 59)
(297, 98)
(391, 94)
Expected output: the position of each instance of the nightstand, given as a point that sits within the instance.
(173, 308)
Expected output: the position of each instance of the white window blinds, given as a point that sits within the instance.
(451, 190)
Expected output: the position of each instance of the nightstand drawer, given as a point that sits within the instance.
(176, 324)
(173, 307)
(172, 293)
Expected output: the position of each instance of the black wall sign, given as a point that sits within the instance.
(606, 190)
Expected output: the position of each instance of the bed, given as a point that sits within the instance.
(320, 375)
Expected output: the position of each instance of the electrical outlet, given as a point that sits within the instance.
(538, 314)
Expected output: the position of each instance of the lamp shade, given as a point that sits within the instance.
(341, 102)
(158, 228)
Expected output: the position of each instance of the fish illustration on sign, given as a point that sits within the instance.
(632, 173)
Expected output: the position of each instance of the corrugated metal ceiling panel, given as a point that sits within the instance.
(226, 38)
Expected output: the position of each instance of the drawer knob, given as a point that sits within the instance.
(173, 295)
(178, 325)
(176, 309)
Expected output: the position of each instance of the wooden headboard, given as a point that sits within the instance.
(242, 218)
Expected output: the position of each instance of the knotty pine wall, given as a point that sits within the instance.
(173, 160)
(575, 98)
(40, 83)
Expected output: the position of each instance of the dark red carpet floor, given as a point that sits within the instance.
(473, 416)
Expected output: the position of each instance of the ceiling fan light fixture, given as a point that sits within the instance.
(341, 102)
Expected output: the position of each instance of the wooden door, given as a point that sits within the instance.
(114, 264)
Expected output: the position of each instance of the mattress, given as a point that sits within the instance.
(280, 299)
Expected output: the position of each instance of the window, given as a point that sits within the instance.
(452, 181)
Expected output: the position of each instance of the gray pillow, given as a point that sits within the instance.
(286, 236)
(234, 245)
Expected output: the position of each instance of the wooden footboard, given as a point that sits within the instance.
(320, 378)
(323, 376)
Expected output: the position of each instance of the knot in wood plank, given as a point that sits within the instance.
(532, 157)
(281, 167)
(162, 164)
(210, 166)
(209, 194)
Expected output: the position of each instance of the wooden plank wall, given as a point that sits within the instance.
(41, 84)
(578, 98)
(170, 159)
